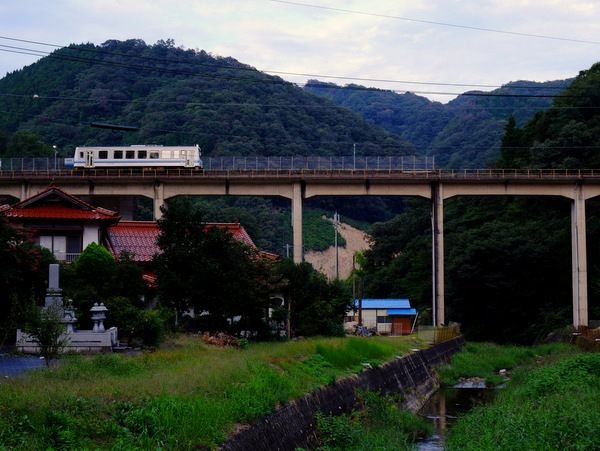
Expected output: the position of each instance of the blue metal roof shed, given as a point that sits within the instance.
(393, 306)
(384, 304)
(401, 311)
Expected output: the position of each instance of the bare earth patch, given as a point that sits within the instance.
(356, 240)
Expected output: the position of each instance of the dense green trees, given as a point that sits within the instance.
(206, 271)
(23, 276)
(567, 135)
(97, 277)
(313, 305)
(229, 287)
(464, 133)
(507, 260)
(178, 96)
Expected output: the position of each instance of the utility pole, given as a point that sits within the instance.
(360, 298)
(336, 219)
(354, 283)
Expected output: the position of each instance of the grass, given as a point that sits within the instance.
(484, 360)
(375, 423)
(549, 404)
(184, 395)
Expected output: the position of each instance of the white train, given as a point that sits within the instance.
(137, 157)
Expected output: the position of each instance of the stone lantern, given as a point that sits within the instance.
(98, 316)
(69, 319)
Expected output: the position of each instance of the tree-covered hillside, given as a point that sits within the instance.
(507, 259)
(177, 96)
(464, 133)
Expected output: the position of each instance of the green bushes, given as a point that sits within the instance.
(486, 359)
(375, 423)
(178, 398)
(354, 352)
(552, 408)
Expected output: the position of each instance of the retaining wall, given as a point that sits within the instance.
(293, 425)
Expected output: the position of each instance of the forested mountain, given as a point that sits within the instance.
(508, 274)
(507, 259)
(464, 133)
(177, 96)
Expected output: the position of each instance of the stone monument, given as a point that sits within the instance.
(97, 340)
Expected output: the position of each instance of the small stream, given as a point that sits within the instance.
(445, 406)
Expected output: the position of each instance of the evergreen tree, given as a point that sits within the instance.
(207, 272)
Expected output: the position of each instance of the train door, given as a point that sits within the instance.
(89, 158)
(189, 159)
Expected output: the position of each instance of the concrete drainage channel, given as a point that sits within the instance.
(292, 426)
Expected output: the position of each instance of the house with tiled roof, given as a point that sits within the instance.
(139, 239)
(61, 222)
(66, 225)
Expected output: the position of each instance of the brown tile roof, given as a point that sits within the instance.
(139, 238)
(54, 203)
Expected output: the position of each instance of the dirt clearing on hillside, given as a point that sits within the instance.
(356, 240)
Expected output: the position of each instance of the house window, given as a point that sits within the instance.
(64, 248)
(384, 320)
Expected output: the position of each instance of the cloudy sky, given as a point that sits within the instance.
(436, 48)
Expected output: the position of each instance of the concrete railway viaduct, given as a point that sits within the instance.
(298, 185)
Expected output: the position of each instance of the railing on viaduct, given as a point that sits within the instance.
(378, 167)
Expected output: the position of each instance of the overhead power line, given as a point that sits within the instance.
(431, 22)
(240, 67)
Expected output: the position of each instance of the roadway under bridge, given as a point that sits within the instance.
(298, 185)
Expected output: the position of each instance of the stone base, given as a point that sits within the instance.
(80, 341)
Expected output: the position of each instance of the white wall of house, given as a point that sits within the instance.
(91, 234)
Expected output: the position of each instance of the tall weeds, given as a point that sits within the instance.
(552, 407)
(180, 397)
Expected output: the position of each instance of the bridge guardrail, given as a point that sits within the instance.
(287, 167)
(312, 162)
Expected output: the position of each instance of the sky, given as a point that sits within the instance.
(434, 48)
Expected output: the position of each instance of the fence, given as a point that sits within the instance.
(359, 163)
(371, 163)
(431, 334)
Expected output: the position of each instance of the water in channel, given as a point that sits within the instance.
(445, 406)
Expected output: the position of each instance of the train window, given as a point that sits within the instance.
(154, 155)
(80, 154)
(118, 155)
(142, 154)
(183, 153)
(166, 154)
(130, 154)
(103, 154)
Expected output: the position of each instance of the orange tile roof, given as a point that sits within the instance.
(139, 238)
(54, 203)
(238, 231)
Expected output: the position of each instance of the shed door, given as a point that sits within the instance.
(400, 325)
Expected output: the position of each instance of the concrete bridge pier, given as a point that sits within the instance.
(579, 258)
(297, 221)
(437, 248)
(159, 200)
